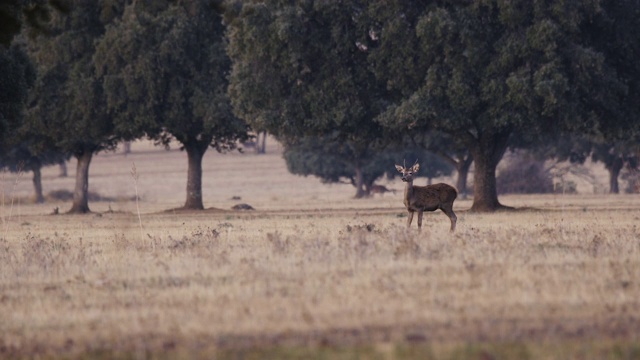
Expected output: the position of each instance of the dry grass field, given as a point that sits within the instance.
(311, 273)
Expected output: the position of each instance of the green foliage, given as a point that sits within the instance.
(20, 157)
(10, 20)
(67, 110)
(332, 161)
(316, 156)
(165, 67)
(14, 14)
(301, 69)
(17, 75)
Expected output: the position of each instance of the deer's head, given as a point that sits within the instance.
(407, 173)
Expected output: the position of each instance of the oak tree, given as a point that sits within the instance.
(67, 108)
(164, 69)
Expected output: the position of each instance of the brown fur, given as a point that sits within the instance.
(427, 198)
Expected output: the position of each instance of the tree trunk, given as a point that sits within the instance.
(36, 166)
(614, 172)
(359, 183)
(81, 192)
(261, 145)
(63, 168)
(462, 167)
(487, 151)
(195, 153)
(485, 195)
(367, 187)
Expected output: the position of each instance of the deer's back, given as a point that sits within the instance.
(430, 197)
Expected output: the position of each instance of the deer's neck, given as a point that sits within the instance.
(408, 192)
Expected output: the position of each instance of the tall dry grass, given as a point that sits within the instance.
(229, 280)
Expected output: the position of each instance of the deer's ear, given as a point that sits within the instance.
(416, 167)
(399, 168)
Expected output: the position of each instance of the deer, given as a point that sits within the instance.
(427, 198)
(380, 189)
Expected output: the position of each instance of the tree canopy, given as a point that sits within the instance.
(333, 160)
(20, 157)
(17, 75)
(14, 14)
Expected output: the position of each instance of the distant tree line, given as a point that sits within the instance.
(349, 88)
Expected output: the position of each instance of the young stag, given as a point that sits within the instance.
(427, 198)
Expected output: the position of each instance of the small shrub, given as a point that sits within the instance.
(200, 239)
(44, 252)
(524, 175)
(363, 227)
(565, 187)
(66, 195)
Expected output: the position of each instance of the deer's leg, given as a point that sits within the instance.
(409, 219)
(420, 213)
(448, 209)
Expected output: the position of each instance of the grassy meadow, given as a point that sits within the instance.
(311, 273)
